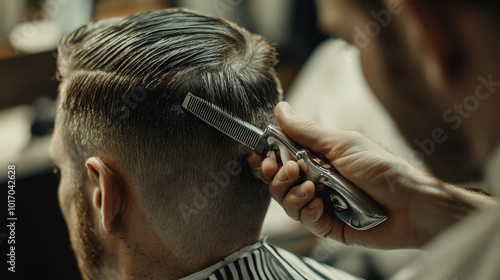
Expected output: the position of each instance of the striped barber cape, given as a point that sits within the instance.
(263, 261)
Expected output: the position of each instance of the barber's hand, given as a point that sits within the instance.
(418, 205)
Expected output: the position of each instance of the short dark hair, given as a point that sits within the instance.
(122, 84)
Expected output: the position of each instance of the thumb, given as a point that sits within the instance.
(316, 138)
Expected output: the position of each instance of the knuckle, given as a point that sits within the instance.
(276, 195)
(353, 136)
(309, 125)
(291, 212)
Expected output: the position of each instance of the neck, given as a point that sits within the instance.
(149, 258)
(138, 252)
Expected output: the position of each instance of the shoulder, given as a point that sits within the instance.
(305, 268)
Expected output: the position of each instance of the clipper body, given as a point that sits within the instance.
(348, 202)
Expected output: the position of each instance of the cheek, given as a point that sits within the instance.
(65, 199)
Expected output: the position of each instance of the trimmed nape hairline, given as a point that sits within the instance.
(123, 81)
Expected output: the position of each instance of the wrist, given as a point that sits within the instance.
(454, 204)
(440, 205)
(472, 198)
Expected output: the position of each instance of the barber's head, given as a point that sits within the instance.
(139, 171)
(431, 64)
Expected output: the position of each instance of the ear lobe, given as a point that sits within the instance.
(108, 193)
(438, 49)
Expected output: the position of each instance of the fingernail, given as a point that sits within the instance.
(252, 157)
(287, 110)
(302, 192)
(283, 176)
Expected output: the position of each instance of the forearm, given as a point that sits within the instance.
(472, 199)
(448, 206)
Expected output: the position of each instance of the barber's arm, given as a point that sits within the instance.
(418, 205)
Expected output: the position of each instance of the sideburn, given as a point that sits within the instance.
(87, 248)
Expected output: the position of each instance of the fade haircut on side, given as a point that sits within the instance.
(123, 81)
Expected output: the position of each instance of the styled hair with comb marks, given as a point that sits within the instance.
(123, 81)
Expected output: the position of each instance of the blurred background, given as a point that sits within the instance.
(320, 75)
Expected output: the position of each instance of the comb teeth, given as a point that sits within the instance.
(233, 127)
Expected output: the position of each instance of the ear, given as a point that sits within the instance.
(433, 36)
(108, 196)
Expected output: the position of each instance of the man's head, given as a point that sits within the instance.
(434, 66)
(138, 170)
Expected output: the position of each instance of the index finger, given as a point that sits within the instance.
(305, 133)
(317, 139)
